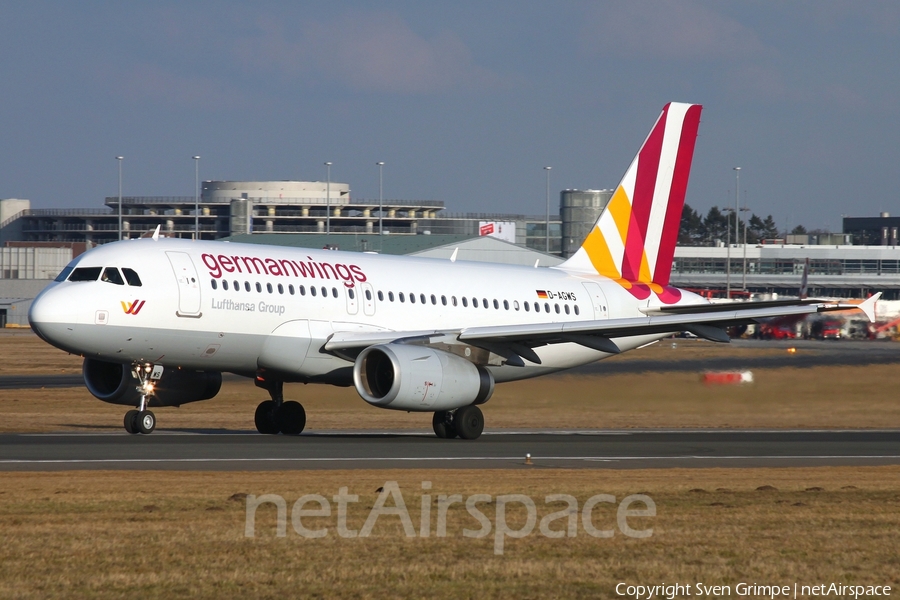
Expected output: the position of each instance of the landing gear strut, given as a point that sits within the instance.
(466, 422)
(276, 415)
(143, 420)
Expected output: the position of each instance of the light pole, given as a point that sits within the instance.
(328, 198)
(380, 197)
(737, 203)
(119, 159)
(744, 270)
(728, 251)
(548, 208)
(196, 197)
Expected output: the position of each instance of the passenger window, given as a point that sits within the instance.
(246, 286)
(391, 296)
(324, 292)
(546, 307)
(334, 292)
(224, 284)
(85, 274)
(412, 298)
(506, 304)
(131, 277)
(291, 289)
(496, 304)
(259, 287)
(422, 298)
(484, 303)
(474, 302)
(214, 286)
(112, 275)
(380, 296)
(444, 300)
(537, 307)
(567, 308)
(433, 299)
(576, 310)
(351, 294)
(368, 295)
(465, 301)
(302, 290)
(237, 285)
(453, 300)
(516, 304)
(556, 306)
(312, 290)
(269, 287)
(280, 289)
(526, 305)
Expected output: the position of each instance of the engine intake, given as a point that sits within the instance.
(115, 383)
(419, 378)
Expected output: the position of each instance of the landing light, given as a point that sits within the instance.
(792, 350)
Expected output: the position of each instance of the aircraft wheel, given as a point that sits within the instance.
(442, 422)
(146, 421)
(265, 418)
(131, 421)
(468, 422)
(290, 418)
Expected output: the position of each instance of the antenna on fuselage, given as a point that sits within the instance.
(536, 263)
(454, 255)
(156, 234)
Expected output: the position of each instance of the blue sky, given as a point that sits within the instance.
(465, 102)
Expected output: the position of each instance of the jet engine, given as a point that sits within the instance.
(418, 378)
(116, 384)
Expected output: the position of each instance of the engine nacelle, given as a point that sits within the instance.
(418, 378)
(116, 384)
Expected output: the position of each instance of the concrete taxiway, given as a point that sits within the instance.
(618, 449)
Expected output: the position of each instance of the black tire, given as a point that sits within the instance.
(265, 418)
(131, 421)
(468, 422)
(442, 422)
(146, 422)
(290, 418)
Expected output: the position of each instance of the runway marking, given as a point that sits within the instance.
(435, 459)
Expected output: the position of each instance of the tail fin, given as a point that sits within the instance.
(634, 239)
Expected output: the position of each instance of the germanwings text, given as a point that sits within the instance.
(221, 264)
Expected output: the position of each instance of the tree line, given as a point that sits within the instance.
(711, 229)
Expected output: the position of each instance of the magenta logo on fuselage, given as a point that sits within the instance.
(221, 264)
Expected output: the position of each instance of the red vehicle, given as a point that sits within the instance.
(827, 329)
(776, 330)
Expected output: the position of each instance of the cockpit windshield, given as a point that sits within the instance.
(112, 275)
(85, 274)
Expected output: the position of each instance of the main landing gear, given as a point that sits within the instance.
(143, 420)
(466, 422)
(275, 415)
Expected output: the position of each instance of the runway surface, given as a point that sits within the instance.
(619, 449)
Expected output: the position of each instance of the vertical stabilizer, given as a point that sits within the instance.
(634, 239)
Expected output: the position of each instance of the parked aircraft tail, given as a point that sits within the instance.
(634, 239)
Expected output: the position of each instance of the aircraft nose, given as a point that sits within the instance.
(49, 315)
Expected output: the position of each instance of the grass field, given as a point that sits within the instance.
(170, 534)
(822, 397)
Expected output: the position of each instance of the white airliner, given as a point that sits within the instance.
(158, 320)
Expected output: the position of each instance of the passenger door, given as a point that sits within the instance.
(188, 284)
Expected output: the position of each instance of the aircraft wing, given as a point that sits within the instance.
(515, 342)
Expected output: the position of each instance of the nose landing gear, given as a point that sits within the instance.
(143, 420)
